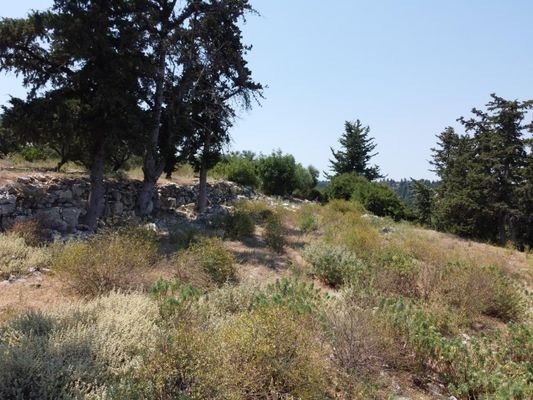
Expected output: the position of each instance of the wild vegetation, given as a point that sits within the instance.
(369, 296)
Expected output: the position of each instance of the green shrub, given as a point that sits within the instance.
(243, 172)
(333, 265)
(17, 258)
(210, 256)
(308, 223)
(342, 187)
(35, 153)
(275, 234)
(294, 294)
(76, 351)
(238, 225)
(375, 197)
(107, 261)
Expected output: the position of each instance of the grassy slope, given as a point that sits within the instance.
(404, 261)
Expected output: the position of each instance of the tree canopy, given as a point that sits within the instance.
(356, 151)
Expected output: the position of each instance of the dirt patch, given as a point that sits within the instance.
(34, 293)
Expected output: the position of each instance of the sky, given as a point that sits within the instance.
(407, 69)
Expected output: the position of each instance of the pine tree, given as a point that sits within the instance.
(356, 152)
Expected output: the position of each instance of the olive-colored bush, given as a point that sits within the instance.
(106, 261)
(210, 256)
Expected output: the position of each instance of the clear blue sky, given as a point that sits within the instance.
(407, 68)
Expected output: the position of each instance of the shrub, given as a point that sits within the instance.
(259, 211)
(75, 351)
(106, 262)
(332, 264)
(275, 234)
(31, 230)
(308, 223)
(243, 172)
(16, 257)
(294, 294)
(35, 153)
(342, 187)
(271, 353)
(481, 290)
(238, 225)
(277, 173)
(210, 255)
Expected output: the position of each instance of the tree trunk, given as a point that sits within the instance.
(502, 231)
(153, 163)
(202, 189)
(96, 196)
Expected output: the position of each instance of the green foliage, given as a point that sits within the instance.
(238, 225)
(34, 153)
(485, 189)
(333, 265)
(308, 223)
(423, 199)
(209, 255)
(375, 197)
(356, 152)
(275, 234)
(280, 175)
(294, 294)
(106, 261)
(239, 168)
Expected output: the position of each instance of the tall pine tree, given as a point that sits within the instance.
(355, 153)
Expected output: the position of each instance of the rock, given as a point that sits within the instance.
(52, 219)
(64, 196)
(71, 216)
(117, 208)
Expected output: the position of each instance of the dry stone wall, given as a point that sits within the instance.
(61, 202)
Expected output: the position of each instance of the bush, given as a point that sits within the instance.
(106, 261)
(375, 197)
(481, 290)
(238, 225)
(332, 264)
(298, 296)
(271, 353)
(258, 210)
(32, 230)
(342, 187)
(275, 234)
(35, 153)
(75, 351)
(277, 173)
(308, 223)
(210, 256)
(243, 172)
(16, 257)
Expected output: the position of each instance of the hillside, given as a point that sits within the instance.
(271, 299)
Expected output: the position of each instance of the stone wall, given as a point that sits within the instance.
(61, 202)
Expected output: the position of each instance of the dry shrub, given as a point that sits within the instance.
(238, 225)
(481, 290)
(258, 210)
(75, 351)
(209, 256)
(275, 234)
(272, 351)
(333, 265)
(31, 230)
(16, 257)
(106, 262)
(344, 225)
